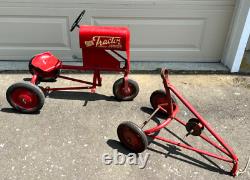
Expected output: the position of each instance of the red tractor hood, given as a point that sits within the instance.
(104, 37)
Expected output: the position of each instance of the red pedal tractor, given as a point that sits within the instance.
(100, 48)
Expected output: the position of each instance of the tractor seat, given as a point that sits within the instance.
(46, 62)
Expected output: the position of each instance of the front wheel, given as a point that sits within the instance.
(123, 94)
(132, 137)
(25, 97)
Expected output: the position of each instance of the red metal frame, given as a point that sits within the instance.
(172, 112)
(95, 42)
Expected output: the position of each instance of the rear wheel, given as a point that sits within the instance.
(123, 94)
(159, 97)
(25, 97)
(132, 137)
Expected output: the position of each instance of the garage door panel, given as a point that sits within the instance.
(173, 35)
(28, 31)
(160, 34)
(34, 32)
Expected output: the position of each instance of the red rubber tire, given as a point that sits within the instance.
(25, 97)
(160, 97)
(119, 92)
(132, 137)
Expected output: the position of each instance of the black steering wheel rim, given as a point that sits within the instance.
(76, 22)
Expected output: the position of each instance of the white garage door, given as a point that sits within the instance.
(171, 30)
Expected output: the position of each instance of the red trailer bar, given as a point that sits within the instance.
(193, 149)
(135, 138)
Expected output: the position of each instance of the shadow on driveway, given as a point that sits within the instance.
(70, 95)
(82, 96)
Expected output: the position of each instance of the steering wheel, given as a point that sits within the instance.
(76, 23)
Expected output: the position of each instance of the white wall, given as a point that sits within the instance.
(237, 42)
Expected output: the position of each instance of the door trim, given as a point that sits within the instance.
(238, 37)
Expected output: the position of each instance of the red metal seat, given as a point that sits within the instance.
(46, 62)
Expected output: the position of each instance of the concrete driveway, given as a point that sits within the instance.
(68, 138)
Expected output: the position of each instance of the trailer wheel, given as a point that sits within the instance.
(159, 97)
(25, 97)
(120, 92)
(132, 137)
(44, 76)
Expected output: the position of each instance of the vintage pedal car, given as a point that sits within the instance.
(101, 47)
